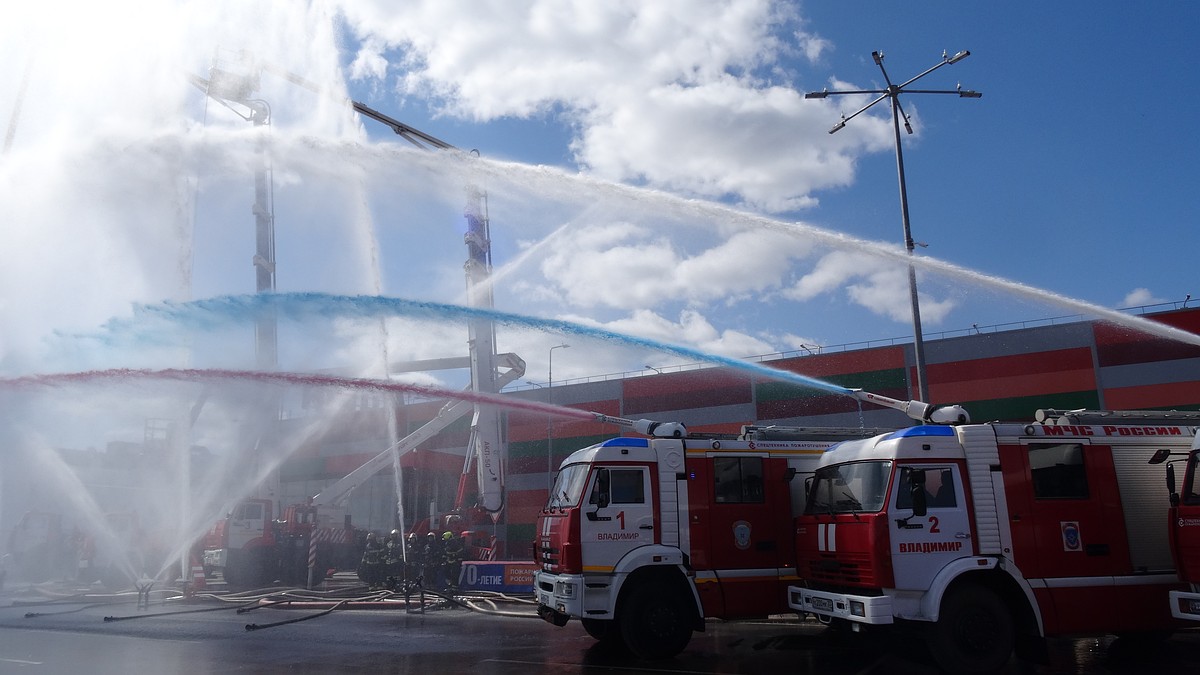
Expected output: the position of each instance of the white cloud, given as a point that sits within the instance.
(692, 329)
(801, 343)
(878, 285)
(1140, 296)
(627, 266)
(676, 94)
(812, 46)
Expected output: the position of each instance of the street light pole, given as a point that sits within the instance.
(893, 92)
(550, 419)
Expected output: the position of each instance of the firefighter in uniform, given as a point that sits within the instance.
(371, 569)
(452, 548)
(394, 560)
(433, 561)
(416, 560)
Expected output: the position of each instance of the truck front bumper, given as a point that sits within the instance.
(561, 594)
(1185, 605)
(869, 609)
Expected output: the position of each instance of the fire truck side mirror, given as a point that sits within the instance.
(1174, 496)
(600, 495)
(1159, 457)
(916, 484)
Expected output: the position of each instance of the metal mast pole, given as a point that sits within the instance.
(266, 328)
(549, 419)
(228, 88)
(918, 335)
(893, 92)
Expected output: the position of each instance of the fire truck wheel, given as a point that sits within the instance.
(974, 633)
(229, 574)
(601, 630)
(35, 564)
(255, 570)
(655, 622)
(115, 579)
(244, 571)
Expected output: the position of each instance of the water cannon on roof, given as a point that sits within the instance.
(647, 427)
(917, 410)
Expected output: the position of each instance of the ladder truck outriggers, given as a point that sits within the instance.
(643, 538)
(1184, 527)
(985, 537)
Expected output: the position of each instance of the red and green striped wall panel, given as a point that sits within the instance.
(1119, 346)
(1168, 396)
(678, 391)
(1050, 372)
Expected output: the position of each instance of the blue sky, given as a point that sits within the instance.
(1073, 173)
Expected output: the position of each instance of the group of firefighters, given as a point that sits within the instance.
(401, 564)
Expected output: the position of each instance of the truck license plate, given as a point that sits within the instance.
(823, 604)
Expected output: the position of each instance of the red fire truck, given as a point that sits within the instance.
(40, 548)
(979, 536)
(1184, 527)
(250, 548)
(644, 537)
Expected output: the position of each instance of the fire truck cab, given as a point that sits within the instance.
(980, 534)
(642, 538)
(1184, 527)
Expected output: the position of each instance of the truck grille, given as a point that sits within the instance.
(841, 569)
(549, 555)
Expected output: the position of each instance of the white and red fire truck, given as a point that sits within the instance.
(123, 551)
(642, 538)
(39, 548)
(251, 548)
(982, 535)
(1184, 527)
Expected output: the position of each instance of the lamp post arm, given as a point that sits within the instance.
(842, 92)
(914, 78)
(861, 110)
(898, 112)
(935, 91)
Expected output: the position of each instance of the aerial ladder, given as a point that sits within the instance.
(486, 451)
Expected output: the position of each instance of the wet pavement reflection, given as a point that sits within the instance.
(211, 636)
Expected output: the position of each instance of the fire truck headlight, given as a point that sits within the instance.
(858, 609)
(564, 589)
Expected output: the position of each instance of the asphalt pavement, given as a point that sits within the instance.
(51, 631)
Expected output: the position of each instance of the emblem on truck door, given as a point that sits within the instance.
(741, 535)
(1070, 536)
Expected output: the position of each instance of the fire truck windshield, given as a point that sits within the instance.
(858, 487)
(568, 487)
